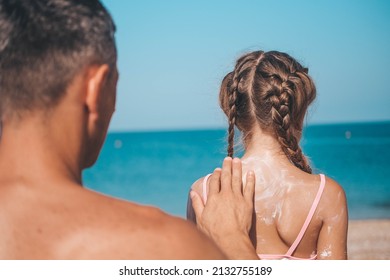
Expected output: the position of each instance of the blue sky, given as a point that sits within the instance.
(173, 55)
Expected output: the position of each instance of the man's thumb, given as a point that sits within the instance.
(197, 204)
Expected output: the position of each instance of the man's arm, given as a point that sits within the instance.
(227, 216)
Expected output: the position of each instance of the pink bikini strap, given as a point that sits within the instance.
(309, 217)
(205, 188)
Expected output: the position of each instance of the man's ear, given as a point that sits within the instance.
(97, 77)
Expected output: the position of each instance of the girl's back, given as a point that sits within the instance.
(284, 198)
(296, 212)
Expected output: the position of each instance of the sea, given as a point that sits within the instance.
(158, 167)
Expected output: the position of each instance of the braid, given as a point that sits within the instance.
(232, 114)
(281, 116)
(238, 91)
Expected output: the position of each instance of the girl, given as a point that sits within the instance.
(299, 215)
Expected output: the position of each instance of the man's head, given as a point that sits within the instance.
(44, 45)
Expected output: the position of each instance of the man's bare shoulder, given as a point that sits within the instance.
(131, 231)
(71, 222)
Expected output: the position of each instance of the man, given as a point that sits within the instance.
(58, 81)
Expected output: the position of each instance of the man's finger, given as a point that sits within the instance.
(215, 182)
(226, 174)
(197, 204)
(237, 176)
(249, 189)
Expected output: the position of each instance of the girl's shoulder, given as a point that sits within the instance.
(333, 189)
(197, 187)
(200, 185)
(333, 199)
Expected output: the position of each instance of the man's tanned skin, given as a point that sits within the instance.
(57, 95)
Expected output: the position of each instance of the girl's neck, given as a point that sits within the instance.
(273, 170)
(265, 147)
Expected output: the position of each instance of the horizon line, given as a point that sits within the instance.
(205, 128)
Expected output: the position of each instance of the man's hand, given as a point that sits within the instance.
(227, 216)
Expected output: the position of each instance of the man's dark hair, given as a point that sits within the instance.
(44, 44)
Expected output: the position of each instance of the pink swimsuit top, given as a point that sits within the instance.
(294, 246)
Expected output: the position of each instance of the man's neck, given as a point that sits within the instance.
(39, 151)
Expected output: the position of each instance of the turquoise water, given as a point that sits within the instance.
(158, 168)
